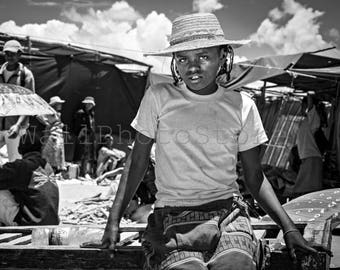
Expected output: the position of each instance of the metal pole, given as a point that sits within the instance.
(29, 46)
(337, 129)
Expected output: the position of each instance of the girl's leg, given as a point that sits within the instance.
(184, 260)
(237, 247)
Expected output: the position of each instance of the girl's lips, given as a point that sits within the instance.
(194, 78)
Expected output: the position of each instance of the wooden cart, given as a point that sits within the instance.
(315, 214)
(18, 252)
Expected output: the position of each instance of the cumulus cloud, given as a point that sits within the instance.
(50, 30)
(299, 32)
(206, 5)
(335, 34)
(120, 29)
(120, 11)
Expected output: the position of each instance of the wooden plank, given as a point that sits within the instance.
(6, 237)
(127, 238)
(24, 240)
(270, 225)
(132, 257)
(137, 227)
(62, 257)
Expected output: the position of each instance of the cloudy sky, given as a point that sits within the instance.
(132, 27)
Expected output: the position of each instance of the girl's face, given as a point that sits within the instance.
(198, 68)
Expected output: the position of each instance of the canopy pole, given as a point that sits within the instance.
(262, 100)
(323, 50)
(337, 125)
(29, 46)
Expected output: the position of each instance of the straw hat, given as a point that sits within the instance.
(196, 31)
(56, 100)
(12, 46)
(89, 100)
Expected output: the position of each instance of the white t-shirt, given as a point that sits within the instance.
(197, 141)
(8, 74)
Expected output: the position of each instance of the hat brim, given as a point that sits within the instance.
(13, 50)
(88, 102)
(57, 102)
(197, 44)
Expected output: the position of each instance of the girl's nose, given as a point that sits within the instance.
(194, 65)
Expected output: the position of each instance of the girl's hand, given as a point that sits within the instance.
(295, 241)
(109, 239)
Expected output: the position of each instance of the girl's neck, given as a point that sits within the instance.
(208, 90)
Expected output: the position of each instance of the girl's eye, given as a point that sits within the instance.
(204, 57)
(181, 60)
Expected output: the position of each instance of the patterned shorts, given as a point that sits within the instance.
(216, 235)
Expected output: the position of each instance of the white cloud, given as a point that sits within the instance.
(206, 5)
(335, 34)
(45, 3)
(49, 30)
(119, 29)
(120, 11)
(276, 14)
(300, 32)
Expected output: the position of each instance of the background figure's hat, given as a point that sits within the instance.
(12, 46)
(55, 100)
(89, 100)
(196, 31)
(108, 137)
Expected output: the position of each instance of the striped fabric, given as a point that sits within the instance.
(235, 248)
(284, 135)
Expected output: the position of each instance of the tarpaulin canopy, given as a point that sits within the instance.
(303, 71)
(72, 73)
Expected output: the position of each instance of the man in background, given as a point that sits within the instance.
(85, 130)
(108, 156)
(14, 72)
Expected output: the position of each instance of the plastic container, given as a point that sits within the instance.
(65, 236)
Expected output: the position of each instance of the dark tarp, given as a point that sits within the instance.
(74, 73)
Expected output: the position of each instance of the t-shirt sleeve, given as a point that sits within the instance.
(146, 119)
(252, 132)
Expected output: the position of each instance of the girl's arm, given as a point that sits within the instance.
(263, 192)
(135, 168)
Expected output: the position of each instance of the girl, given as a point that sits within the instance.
(199, 127)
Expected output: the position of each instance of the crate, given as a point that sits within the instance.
(18, 252)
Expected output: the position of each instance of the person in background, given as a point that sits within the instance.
(53, 142)
(108, 157)
(85, 129)
(309, 177)
(29, 194)
(14, 72)
(200, 220)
